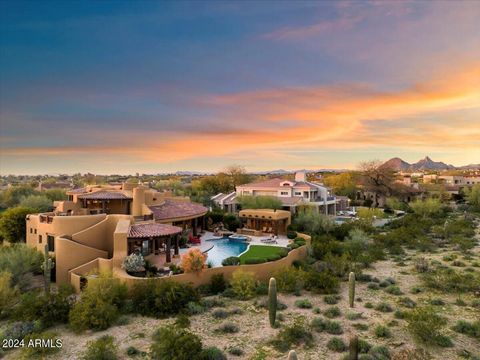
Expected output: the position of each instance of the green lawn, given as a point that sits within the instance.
(261, 252)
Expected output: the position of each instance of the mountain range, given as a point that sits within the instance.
(423, 164)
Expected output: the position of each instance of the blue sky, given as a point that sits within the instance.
(124, 86)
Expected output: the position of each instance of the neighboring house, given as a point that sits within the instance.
(64, 185)
(102, 224)
(292, 194)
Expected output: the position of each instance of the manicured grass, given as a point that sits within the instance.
(262, 252)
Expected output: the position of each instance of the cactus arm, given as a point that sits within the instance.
(351, 288)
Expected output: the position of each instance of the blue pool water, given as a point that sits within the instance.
(224, 248)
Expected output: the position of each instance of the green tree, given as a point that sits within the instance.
(343, 184)
(473, 196)
(13, 224)
(21, 261)
(8, 293)
(426, 208)
(259, 202)
(56, 194)
(313, 222)
(12, 196)
(40, 203)
(173, 343)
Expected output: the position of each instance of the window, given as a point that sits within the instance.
(298, 193)
(284, 193)
(51, 242)
(35, 231)
(31, 230)
(39, 239)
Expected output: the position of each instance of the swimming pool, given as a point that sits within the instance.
(223, 249)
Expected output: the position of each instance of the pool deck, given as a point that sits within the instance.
(208, 238)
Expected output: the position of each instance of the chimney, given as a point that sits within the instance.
(300, 176)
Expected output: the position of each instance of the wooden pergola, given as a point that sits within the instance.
(156, 237)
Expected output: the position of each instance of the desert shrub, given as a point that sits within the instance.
(291, 234)
(194, 308)
(407, 302)
(394, 290)
(193, 260)
(321, 282)
(331, 299)
(373, 286)
(40, 352)
(379, 352)
(317, 324)
(173, 343)
(296, 333)
(132, 351)
(289, 279)
(133, 263)
(382, 331)
(437, 302)
(18, 330)
(333, 327)
(351, 315)
(220, 314)
(332, 312)
(421, 265)
(360, 326)
(476, 303)
(400, 314)
(369, 305)
(317, 310)
(449, 280)
(243, 284)
(21, 261)
(235, 351)
(416, 290)
(182, 321)
(8, 293)
(363, 346)
(100, 304)
(161, 298)
(303, 304)
(212, 353)
(103, 348)
(460, 302)
(458, 263)
(336, 344)
(49, 309)
(228, 328)
(425, 324)
(384, 307)
(468, 328)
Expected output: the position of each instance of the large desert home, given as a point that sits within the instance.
(292, 194)
(98, 226)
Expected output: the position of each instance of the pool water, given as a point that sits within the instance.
(224, 248)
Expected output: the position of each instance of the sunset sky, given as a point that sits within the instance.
(125, 87)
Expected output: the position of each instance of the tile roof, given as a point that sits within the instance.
(275, 183)
(105, 195)
(172, 209)
(152, 230)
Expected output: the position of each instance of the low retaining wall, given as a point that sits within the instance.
(262, 271)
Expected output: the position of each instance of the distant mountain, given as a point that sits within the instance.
(423, 164)
(470, 167)
(428, 164)
(396, 164)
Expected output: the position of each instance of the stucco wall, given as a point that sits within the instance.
(70, 254)
(262, 271)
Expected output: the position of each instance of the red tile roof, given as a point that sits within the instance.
(172, 209)
(152, 230)
(105, 195)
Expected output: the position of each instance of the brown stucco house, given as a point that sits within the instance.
(99, 225)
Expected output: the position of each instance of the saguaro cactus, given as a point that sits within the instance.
(353, 348)
(47, 267)
(351, 288)
(292, 355)
(272, 301)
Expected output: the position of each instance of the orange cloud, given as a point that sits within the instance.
(326, 117)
